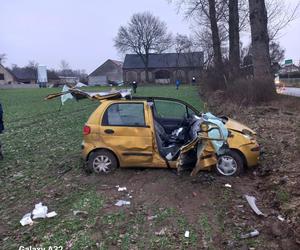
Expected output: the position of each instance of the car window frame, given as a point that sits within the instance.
(170, 101)
(129, 126)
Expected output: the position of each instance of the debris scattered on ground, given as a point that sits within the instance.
(194, 194)
(187, 234)
(39, 211)
(280, 218)
(251, 200)
(152, 217)
(26, 220)
(250, 235)
(161, 232)
(79, 212)
(227, 185)
(121, 203)
(121, 189)
(51, 214)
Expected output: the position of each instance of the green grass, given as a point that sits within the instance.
(39, 142)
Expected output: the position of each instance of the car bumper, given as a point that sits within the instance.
(251, 153)
(86, 149)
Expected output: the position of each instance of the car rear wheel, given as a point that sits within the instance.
(102, 162)
(230, 164)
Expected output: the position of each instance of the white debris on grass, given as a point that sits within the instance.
(39, 211)
(187, 234)
(121, 203)
(227, 185)
(120, 189)
(26, 220)
(251, 200)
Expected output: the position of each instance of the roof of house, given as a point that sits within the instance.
(165, 60)
(31, 74)
(107, 66)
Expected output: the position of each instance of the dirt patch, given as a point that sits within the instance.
(278, 130)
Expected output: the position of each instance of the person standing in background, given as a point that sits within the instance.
(177, 84)
(1, 130)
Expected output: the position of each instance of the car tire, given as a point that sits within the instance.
(102, 162)
(230, 164)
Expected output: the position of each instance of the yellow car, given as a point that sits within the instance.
(160, 132)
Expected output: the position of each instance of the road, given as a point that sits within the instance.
(289, 91)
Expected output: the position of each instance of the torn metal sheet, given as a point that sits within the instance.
(251, 200)
(81, 94)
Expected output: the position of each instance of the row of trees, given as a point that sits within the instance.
(217, 28)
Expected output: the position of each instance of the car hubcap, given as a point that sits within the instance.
(226, 165)
(102, 164)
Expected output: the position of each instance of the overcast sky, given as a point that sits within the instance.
(82, 32)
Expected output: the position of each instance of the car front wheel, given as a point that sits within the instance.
(102, 162)
(230, 164)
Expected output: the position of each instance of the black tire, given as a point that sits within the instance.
(102, 162)
(233, 159)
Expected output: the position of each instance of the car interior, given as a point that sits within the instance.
(172, 133)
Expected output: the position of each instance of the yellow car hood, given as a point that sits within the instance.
(237, 126)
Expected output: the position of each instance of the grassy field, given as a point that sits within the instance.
(42, 163)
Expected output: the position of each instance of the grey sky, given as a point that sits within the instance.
(82, 32)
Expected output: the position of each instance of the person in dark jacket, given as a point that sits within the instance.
(1, 130)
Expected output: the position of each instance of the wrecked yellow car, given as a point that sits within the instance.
(157, 132)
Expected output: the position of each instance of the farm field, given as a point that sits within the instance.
(42, 164)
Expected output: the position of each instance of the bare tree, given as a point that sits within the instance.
(277, 53)
(32, 64)
(234, 37)
(280, 15)
(3, 58)
(260, 46)
(64, 65)
(143, 35)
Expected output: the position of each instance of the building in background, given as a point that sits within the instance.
(110, 71)
(6, 76)
(164, 68)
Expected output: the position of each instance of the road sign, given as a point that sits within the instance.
(289, 61)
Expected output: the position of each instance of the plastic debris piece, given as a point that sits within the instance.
(250, 235)
(26, 220)
(120, 189)
(152, 217)
(187, 234)
(279, 217)
(251, 200)
(51, 214)
(169, 156)
(227, 185)
(121, 203)
(39, 211)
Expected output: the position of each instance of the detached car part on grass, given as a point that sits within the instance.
(157, 132)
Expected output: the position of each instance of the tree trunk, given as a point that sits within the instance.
(260, 46)
(216, 43)
(234, 37)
